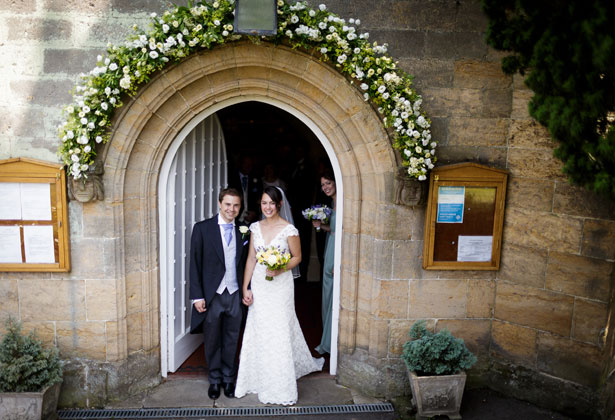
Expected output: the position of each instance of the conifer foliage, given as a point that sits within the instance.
(25, 365)
(566, 49)
(436, 354)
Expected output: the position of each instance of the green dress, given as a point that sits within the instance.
(327, 290)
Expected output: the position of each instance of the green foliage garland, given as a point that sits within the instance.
(431, 354)
(185, 30)
(567, 49)
(25, 366)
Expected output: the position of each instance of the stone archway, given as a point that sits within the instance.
(148, 124)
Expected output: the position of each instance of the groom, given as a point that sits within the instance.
(217, 259)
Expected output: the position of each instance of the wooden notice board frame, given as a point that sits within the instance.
(20, 172)
(464, 218)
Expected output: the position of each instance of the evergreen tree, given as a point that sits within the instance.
(566, 49)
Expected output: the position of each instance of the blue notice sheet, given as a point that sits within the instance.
(450, 204)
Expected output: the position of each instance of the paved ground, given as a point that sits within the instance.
(321, 389)
(484, 404)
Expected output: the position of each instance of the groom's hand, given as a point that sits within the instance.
(200, 305)
(247, 298)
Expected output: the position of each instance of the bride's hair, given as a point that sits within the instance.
(275, 195)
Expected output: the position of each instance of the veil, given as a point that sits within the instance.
(287, 215)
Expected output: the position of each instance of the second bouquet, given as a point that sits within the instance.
(318, 212)
(273, 257)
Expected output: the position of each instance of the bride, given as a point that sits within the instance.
(274, 353)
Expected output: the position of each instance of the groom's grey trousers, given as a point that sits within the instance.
(221, 335)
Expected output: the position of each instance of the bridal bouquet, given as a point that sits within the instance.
(272, 257)
(318, 212)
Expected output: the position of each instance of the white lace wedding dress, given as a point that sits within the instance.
(274, 353)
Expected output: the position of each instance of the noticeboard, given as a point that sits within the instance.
(33, 216)
(464, 218)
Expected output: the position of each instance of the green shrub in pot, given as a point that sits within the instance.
(430, 354)
(25, 364)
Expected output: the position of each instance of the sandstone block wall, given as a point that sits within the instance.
(545, 311)
(45, 46)
(542, 317)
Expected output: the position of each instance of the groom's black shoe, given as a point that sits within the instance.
(214, 391)
(229, 389)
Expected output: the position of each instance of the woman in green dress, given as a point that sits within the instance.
(327, 183)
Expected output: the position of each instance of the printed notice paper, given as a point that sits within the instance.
(10, 244)
(10, 204)
(474, 248)
(35, 201)
(450, 204)
(38, 242)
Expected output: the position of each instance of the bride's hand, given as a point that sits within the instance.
(248, 299)
(273, 273)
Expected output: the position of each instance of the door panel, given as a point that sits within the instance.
(198, 173)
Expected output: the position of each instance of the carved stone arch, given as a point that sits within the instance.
(146, 126)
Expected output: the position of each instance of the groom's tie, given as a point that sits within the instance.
(228, 232)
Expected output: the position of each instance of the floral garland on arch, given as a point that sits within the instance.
(184, 30)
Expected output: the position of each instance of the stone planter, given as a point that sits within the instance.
(30, 405)
(437, 395)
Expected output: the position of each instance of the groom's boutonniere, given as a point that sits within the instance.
(244, 231)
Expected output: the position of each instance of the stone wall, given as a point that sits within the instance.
(45, 45)
(538, 324)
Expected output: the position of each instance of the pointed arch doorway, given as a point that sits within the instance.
(193, 172)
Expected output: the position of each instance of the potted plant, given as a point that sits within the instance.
(30, 376)
(436, 363)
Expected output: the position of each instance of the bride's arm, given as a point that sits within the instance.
(294, 246)
(247, 274)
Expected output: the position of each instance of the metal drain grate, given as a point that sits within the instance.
(174, 413)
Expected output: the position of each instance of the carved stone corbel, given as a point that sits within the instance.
(408, 191)
(88, 189)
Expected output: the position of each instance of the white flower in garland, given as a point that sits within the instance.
(125, 81)
(180, 32)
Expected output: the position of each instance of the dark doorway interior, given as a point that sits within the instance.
(282, 147)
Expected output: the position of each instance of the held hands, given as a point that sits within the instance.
(248, 299)
(200, 306)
